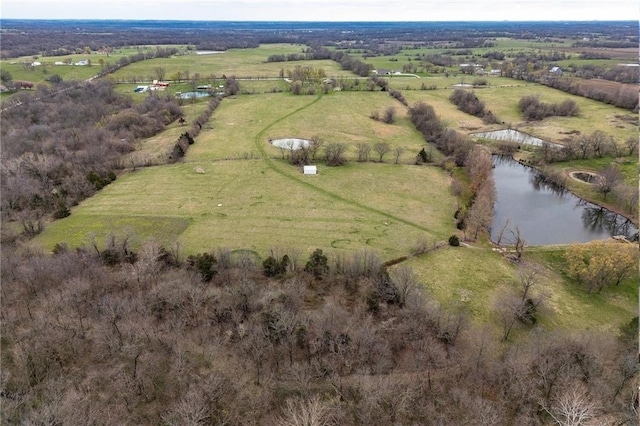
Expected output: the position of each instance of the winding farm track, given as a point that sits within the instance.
(259, 140)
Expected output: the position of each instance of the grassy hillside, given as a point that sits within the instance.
(227, 194)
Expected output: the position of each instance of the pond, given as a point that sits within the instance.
(546, 215)
(511, 135)
(191, 95)
(290, 143)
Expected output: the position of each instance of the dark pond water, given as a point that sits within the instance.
(546, 215)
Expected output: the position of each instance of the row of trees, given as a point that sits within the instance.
(451, 143)
(622, 95)
(154, 338)
(334, 153)
(468, 102)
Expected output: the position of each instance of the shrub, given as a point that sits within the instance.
(534, 110)
(61, 212)
(454, 241)
(317, 264)
(205, 264)
(100, 180)
(274, 268)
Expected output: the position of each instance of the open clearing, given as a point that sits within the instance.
(246, 205)
(471, 280)
(256, 202)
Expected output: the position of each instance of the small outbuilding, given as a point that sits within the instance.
(556, 70)
(310, 170)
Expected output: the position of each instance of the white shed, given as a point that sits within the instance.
(310, 170)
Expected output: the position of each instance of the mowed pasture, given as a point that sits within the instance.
(220, 197)
(503, 101)
(241, 63)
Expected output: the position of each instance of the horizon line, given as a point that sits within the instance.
(307, 21)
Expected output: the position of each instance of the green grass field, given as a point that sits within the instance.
(235, 190)
(503, 101)
(266, 202)
(241, 63)
(472, 279)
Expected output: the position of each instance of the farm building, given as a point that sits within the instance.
(158, 85)
(556, 70)
(310, 170)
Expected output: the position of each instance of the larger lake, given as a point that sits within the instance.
(547, 216)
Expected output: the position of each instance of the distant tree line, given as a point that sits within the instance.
(624, 96)
(619, 73)
(159, 52)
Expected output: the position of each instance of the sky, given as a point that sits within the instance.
(325, 10)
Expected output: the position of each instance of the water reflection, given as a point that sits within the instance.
(547, 214)
(598, 219)
(541, 183)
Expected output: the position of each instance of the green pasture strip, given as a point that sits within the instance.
(41, 73)
(236, 204)
(254, 87)
(82, 229)
(235, 123)
(628, 166)
(573, 306)
(465, 278)
(473, 279)
(241, 63)
(344, 117)
(440, 81)
(419, 194)
(594, 115)
(67, 72)
(503, 43)
(450, 115)
(575, 61)
(156, 148)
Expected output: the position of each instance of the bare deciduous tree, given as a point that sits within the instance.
(574, 407)
(406, 281)
(307, 412)
(364, 149)
(607, 180)
(398, 152)
(389, 115)
(381, 148)
(334, 154)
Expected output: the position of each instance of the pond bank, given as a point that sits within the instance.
(546, 214)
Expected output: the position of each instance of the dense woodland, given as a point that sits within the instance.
(109, 336)
(62, 144)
